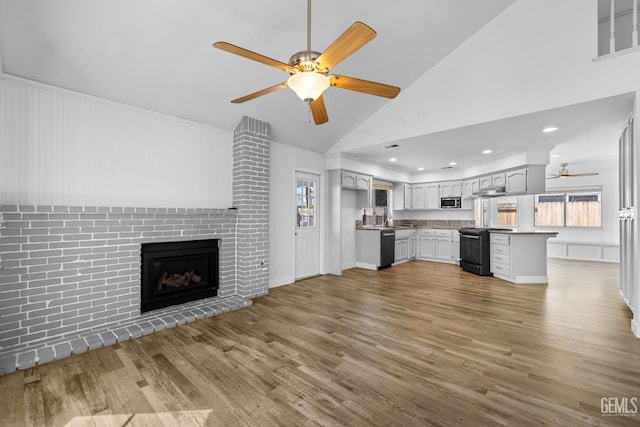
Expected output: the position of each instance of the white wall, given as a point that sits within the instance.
(285, 161)
(64, 148)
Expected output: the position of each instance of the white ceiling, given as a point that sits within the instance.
(157, 55)
(586, 132)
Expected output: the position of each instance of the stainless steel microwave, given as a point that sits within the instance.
(450, 202)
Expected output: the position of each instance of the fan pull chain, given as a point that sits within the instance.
(309, 114)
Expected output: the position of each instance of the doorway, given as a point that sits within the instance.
(307, 234)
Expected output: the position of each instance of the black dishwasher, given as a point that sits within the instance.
(387, 248)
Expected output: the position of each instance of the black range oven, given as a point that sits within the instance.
(474, 250)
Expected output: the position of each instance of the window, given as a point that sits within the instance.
(305, 204)
(508, 211)
(381, 201)
(569, 209)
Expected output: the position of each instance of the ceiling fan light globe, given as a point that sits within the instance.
(308, 85)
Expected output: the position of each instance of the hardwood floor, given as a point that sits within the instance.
(417, 344)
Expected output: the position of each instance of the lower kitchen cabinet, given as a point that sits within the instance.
(412, 244)
(426, 244)
(456, 246)
(402, 249)
(444, 249)
(438, 245)
(405, 248)
(520, 257)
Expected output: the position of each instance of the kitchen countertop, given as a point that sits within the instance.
(523, 232)
(399, 227)
(374, 228)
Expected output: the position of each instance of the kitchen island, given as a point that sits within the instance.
(520, 256)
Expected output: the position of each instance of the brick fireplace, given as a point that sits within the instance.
(70, 275)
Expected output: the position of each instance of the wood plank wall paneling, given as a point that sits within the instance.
(64, 148)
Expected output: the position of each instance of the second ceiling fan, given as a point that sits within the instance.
(564, 173)
(309, 70)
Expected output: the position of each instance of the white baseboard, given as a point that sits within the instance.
(281, 281)
(348, 265)
(635, 327)
(366, 266)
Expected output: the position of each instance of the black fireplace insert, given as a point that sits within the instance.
(178, 272)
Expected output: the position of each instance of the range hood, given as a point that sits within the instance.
(491, 192)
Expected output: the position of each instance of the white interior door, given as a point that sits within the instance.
(307, 232)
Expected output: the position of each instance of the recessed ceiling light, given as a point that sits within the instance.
(420, 168)
(487, 152)
(452, 164)
(393, 159)
(549, 129)
(555, 155)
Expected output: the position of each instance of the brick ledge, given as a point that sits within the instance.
(26, 356)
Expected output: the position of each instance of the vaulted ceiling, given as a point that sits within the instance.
(158, 55)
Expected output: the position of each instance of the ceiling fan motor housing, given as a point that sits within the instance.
(305, 61)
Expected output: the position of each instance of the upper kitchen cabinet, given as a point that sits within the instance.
(356, 181)
(517, 181)
(418, 196)
(470, 186)
(486, 182)
(529, 180)
(498, 180)
(401, 196)
(451, 189)
(432, 196)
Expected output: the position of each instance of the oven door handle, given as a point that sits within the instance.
(467, 236)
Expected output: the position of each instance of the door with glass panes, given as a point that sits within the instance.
(307, 233)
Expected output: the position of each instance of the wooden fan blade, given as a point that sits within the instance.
(356, 36)
(584, 174)
(260, 93)
(319, 111)
(228, 47)
(364, 86)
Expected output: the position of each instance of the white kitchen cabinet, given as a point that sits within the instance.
(412, 244)
(485, 182)
(451, 189)
(407, 196)
(444, 248)
(456, 246)
(519, 257)
(402, 248)
(437, 245)
(529, 180)
(432, 196)
(418, 196)
(444, 245)
(355, 181)
(470, 186)
(516, 181)
(426, 244)
(401, 196)
(498, 180)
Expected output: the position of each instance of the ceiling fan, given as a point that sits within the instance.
(309, 70)
(564, 173)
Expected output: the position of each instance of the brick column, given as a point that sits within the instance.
(251, 198)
